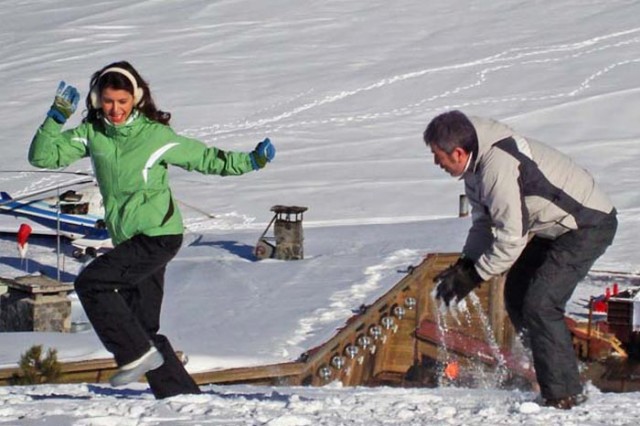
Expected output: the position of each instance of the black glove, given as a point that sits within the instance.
(457, 280)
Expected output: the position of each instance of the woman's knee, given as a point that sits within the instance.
(81, 283)
(85, 281)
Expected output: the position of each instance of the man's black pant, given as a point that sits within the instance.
(537, 289)
(121, 293)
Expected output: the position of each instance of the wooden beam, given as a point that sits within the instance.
(273, 372)
(96, 370)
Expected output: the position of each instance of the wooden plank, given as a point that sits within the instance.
(397, 354)
(357, 370)
(93, 370)
(248, 374)
(73, 372)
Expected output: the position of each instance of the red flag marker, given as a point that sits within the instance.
(23, 237)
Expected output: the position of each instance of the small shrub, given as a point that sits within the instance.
(34, 370)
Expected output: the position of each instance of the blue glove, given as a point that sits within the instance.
(65, 103)
(264, 153)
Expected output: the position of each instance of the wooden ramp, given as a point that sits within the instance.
(393, 341)
(377, 345)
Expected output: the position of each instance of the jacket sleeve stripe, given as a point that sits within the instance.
(154, 157)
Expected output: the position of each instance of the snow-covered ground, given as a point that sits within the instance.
(344, 89)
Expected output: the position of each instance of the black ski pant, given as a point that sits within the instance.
(537, 289)
(121, 293)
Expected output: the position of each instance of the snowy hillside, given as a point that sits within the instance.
(344, 89)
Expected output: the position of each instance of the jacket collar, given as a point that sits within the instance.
(124, 129)
(470, 166)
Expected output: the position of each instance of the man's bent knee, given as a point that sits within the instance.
(536, 313)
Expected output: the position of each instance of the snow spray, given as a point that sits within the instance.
(501, 369)
(461, 314)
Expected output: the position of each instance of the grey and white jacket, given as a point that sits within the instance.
(519, 187)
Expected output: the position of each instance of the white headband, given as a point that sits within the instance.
(138, 93)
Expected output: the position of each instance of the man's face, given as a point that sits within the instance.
(453, 163)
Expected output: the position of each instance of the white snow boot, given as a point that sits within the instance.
(131, 372)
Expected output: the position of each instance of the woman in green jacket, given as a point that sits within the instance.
(131, 146)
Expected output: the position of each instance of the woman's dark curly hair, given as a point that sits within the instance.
(118, 81)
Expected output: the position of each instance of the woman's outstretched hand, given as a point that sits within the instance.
(262, 154)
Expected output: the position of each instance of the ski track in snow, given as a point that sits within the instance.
(510, 60)
(514, 59)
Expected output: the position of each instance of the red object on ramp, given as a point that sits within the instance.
(473, 348)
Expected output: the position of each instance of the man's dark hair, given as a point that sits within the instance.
(450, 130)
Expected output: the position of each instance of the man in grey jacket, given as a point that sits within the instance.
(537, 216)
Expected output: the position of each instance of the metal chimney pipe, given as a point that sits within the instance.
(463, 209)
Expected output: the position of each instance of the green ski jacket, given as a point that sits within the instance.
(130, 163)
